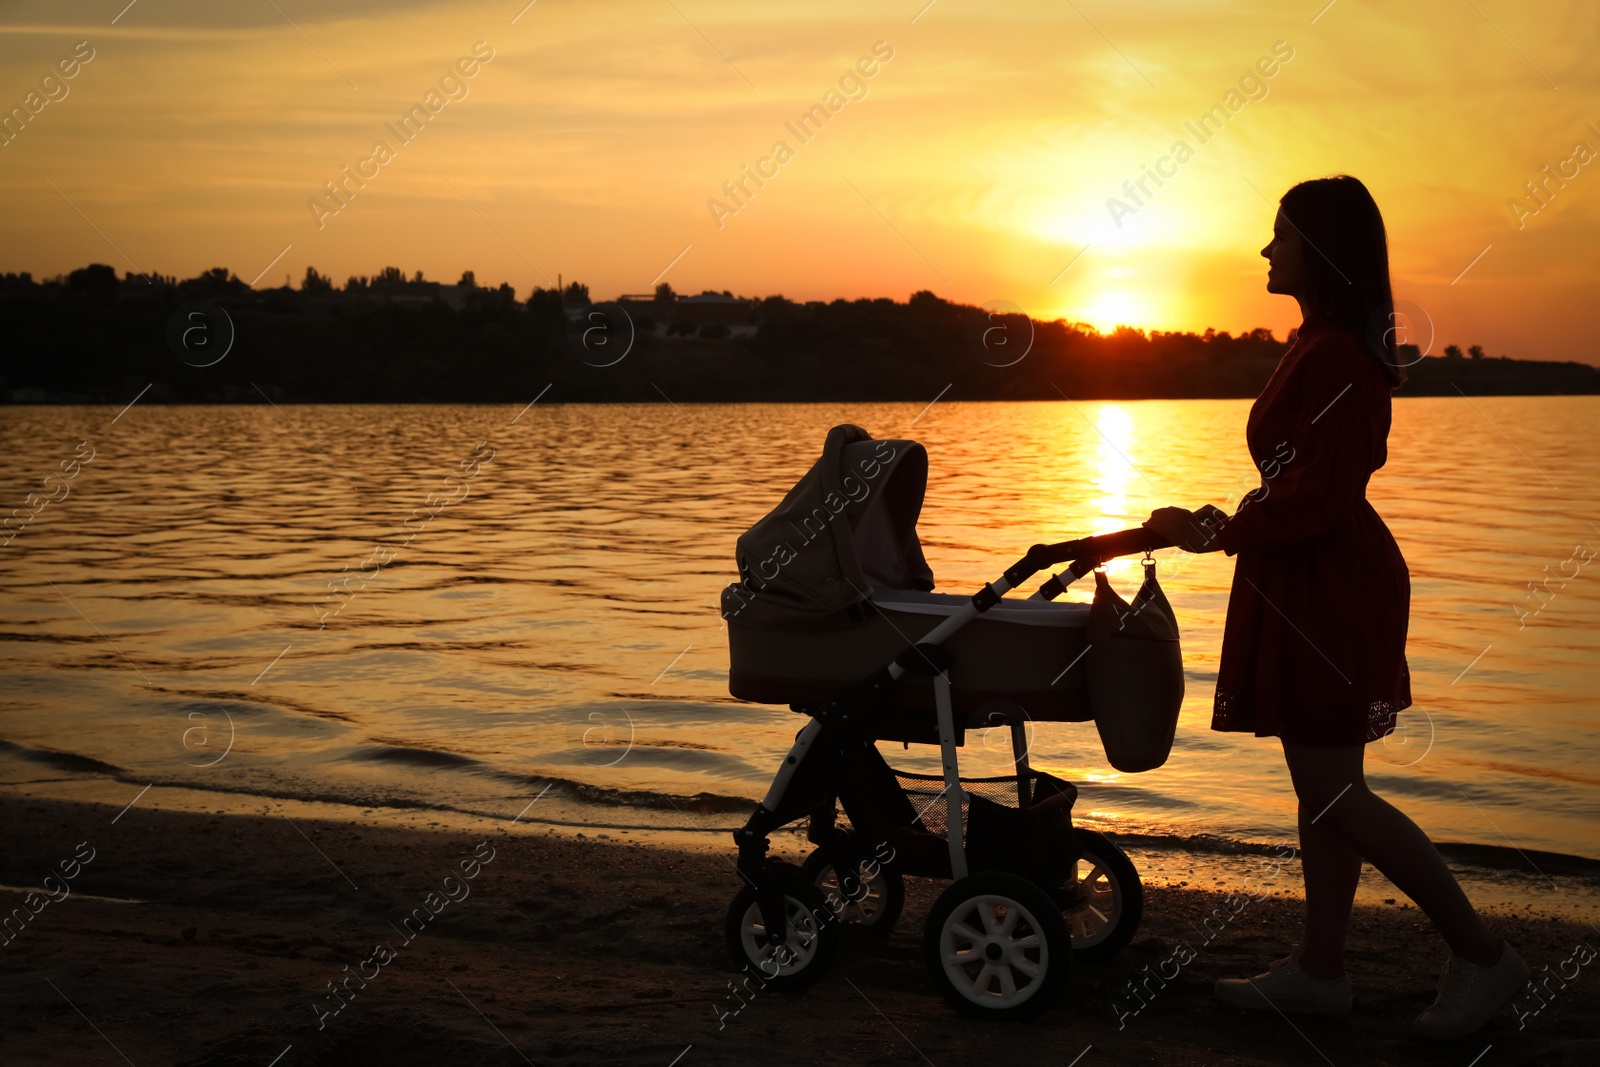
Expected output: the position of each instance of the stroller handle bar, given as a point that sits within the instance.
(1094, 550)
(1085, 554)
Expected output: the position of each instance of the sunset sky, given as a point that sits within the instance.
(977, 162)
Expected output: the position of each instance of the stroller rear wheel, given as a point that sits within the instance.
(871, 899)
(997, 947)
(1112, 899)
(810, 939)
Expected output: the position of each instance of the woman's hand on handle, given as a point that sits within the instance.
(1192, 531)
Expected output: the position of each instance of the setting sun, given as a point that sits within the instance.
(1110, 308)
(1116, 307)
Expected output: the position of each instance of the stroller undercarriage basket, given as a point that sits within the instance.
(1018, 823)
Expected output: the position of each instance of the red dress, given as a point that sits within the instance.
(1313, 649)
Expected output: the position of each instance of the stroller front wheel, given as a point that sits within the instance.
(998, 947)
(811, 935)
(872, 898)
(1112, 899)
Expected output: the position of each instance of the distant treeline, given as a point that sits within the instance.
(90, 336)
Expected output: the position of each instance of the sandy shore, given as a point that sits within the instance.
(556, 951)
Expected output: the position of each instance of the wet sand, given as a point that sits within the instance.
(554, 950)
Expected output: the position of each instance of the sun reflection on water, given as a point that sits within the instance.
(1114, 465)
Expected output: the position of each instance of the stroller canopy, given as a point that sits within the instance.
(847, 530)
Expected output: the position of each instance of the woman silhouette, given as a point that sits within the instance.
(1313, 649)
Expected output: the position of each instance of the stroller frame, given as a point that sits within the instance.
(844, 715)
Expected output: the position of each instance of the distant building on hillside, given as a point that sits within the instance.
(708, 313)
(412, 292)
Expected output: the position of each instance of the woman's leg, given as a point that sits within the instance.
(1331, 869)
(1341, 822)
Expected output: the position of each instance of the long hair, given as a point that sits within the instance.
(1346, 262)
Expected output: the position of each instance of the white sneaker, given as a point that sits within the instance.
(1286, 987)
(1469, 995)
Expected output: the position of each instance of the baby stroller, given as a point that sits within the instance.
(834, 615)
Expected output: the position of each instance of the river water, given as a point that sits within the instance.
(230, 599)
